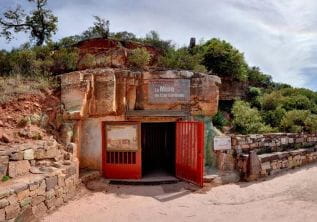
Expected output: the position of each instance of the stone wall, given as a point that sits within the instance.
(263, 155)
(40, 177)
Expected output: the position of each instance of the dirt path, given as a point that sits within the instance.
(289, 197)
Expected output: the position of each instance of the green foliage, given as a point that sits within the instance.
(181, 59)
(64, 60)
(124, 36)
(88, 61)
(219, 120)
(257, 78)
(223, 59)
(274, 117)
(5, 178)
(40, 23)
(153, 38)
(248, 120)
(100, 29)
(200, 68)
(294, 121)
(139, 58)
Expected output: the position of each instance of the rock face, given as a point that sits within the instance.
(98, 92)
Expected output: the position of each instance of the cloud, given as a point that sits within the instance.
(278, 36)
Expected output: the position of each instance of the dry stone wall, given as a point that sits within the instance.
(41, 176)
(263, 155)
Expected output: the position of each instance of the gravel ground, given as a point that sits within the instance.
(291, 196)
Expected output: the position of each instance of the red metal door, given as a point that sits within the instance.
(121, 164)
(190, 151)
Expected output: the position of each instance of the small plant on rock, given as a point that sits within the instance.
(139, 58)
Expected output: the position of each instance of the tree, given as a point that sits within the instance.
(100, 29)
(223, 59)
(40, 23)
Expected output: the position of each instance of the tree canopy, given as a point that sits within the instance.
(40, 23)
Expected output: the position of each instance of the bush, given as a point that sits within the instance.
(274, 117)
(248, 120)
(64, 60)
(299, 102)
(182, 59)
(200, 68)
(295, 121)
(219, 120)
(139, 58)
(88, 61)
(222, 58)
(257, 78)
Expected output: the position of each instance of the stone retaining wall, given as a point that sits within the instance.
(27, 198)
(36, 178)
(263, 155)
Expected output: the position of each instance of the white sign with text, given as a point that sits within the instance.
(222, 143)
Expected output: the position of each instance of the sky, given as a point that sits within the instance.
(279, 36)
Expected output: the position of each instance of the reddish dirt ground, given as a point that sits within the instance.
(291, 196)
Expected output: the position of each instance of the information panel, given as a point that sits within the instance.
(169, 90)
(122, 137)
(222, 143)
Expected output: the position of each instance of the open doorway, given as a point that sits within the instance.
(158, 149)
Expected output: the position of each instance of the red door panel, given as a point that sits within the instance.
(121, 164)
(190, 151)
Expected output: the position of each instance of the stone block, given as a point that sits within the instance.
(28, 154)
(59, 201)
(266, 166)
(2, 215)
(12, 211)
(6, 192)
(4, 161)
(23, 194)
(50, 203)
(13, 199)
(4, 203)
(37, 200)
(39, 210)
(19, 168)
(25, 202)
(51, 182)
(16, 156)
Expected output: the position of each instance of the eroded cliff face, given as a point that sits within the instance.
(116, 92)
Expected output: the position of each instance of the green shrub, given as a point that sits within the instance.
(64, 60)
(295, 121)
(248, 120)
(200, 68)
(311, 123)
(222, 58)
(219, 120)
(5, 178)
(299, 102)
(139, 58)
(88, 61)
(274, 117)
(182, 59)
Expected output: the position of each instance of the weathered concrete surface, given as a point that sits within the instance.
(289, 197)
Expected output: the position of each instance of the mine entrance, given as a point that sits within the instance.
(158, 149)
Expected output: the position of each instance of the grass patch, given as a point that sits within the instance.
(15, 85)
